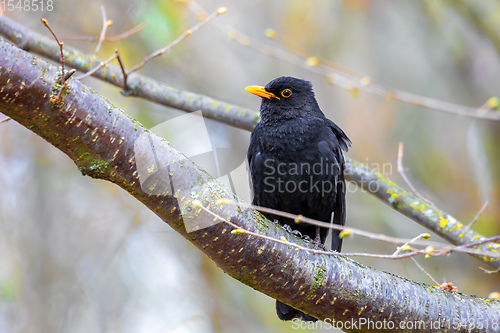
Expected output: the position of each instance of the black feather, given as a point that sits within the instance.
(297, 165)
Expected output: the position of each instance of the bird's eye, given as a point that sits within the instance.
(286, 93)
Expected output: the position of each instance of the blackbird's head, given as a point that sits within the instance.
(286, 96)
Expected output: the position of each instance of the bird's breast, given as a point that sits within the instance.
(290, 136)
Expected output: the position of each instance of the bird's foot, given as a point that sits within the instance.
(307, 238)
(293, 232)
(319, 245)
(316, 242)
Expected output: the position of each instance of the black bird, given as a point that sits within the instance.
(296, 163)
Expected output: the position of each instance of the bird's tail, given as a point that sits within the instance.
(286, 312)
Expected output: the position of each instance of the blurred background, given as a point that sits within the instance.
(81, 255)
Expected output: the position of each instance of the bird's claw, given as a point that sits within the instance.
(319, 245)
(293, 232)
(307, 238)
(317, 242)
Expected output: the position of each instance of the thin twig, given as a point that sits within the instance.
(187, 33)
(303, 219)
(116, 81)
(488, 271)
(283, 240)
(114, 38)
(442, 248)
(481, 210)
(127, 33)
(311, 60)
(63, 78)
(101, 65)
(105, 24)
(342, 76)
(5, 120)
(403, 174)
(352, 81)
(445, 286)
(423, 270)
(124, 72)
(402, 247)
(480, 241)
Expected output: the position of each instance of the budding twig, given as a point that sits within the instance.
(354, 82)
(114, 38)
(403, 174)
(405, 245)
(283, 240)
(344, 77)
(429, 251)
(63, 78)
(127, 33)
(124, 73)
(105, 24)
(187, 33)
(445, 286)
(481, 210)
(423, 270)
(311, 60)
(101, 65)
(442, 248)
(480, 241)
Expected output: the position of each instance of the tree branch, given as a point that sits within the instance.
(427, 215)
(105, 143)
(139, 85)
(417, 209)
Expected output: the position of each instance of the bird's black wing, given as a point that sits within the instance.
(255, 161)
(339, 212)
(344, 141)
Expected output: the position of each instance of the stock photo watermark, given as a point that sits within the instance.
(224, 160)
(27, 5)
(454, 324)
(320, 177)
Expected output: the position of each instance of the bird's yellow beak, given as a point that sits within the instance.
(261, 92)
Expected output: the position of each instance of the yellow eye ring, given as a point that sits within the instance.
(286, 93)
